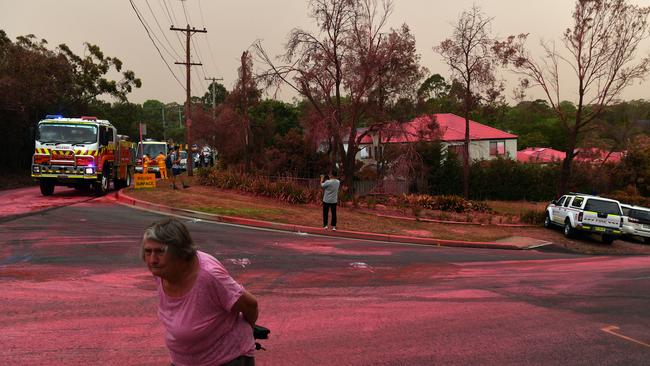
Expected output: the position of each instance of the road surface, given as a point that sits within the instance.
(73, 291)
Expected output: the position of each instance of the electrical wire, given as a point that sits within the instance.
(137, 13)
(172, 20)
(214, 63)
(161, 30)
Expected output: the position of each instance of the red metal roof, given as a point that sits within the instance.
(452, 128)
(548, 155)
(540, 155)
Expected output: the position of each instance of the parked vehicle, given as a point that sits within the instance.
(80, 153)
(152, 148)
(636, 221)
(577, 212)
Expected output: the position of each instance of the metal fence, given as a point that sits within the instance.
(389, 187)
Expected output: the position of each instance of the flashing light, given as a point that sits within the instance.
(53, 116)
(84, 161)
(41, 159)
(88, 118)
(90, 170)
(37, 169)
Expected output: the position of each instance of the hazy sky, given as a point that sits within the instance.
(234, 25)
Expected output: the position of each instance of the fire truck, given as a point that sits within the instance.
(83, 153)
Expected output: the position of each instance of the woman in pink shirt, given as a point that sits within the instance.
(208, 317)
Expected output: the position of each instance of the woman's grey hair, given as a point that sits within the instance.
(174, 234)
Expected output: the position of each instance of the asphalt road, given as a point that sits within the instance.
(74, 292)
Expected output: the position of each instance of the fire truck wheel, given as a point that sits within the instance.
(102, 186)
(123, 183)
(47, 187)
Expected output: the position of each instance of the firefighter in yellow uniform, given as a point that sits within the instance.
(160, 160)
(145, 163)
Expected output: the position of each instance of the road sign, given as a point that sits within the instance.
(144, 180)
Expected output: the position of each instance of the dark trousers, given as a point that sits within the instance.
(326, 208)
(241, 361)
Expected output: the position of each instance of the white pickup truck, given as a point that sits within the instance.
(582, 212)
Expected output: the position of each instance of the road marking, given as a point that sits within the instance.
(611, 330)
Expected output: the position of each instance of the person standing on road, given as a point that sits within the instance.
(330, 197)
(208, 316)
(176, 167)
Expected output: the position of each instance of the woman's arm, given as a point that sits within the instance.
(247, 305)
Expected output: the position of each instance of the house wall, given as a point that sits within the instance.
(480, 150)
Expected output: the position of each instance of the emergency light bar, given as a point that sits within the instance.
(53, 116)
(88, 118)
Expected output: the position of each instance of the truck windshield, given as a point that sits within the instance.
(66, 133)
(600, 206)
(152, 149)
(640, 214)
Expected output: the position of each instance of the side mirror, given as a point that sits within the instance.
(554, 202)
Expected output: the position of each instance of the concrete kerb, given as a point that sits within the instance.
(122, 197)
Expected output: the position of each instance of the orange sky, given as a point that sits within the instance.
(234, 25)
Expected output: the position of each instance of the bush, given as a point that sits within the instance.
(284, 190)
(533, 217)
(444, 203)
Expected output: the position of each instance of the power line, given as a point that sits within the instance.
(214, 63)
(161, 30)
(148, 27)
(187, 18)
(172, 20)
(154, 44)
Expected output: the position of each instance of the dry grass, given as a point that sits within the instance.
(233, 203)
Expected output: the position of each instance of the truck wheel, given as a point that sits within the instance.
(568, 230)
(124, 183)
(102, 186)
(547, 221)
(607, 239)
(47, 187)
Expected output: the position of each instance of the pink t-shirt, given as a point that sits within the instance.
(200, 327)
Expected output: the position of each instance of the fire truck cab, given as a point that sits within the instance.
(81, 153)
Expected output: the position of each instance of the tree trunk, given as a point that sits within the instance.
(565, 173)
(466, 146)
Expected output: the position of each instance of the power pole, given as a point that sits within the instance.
(164, 126)
(213, 100)
(188, 108)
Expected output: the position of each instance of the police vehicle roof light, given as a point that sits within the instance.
(88, 118)
(53, 116)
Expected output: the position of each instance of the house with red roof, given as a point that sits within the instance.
(540, 155)
(485, 142)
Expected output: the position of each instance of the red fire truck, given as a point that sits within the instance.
(82, 153)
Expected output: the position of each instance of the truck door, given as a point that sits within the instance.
(556, 210)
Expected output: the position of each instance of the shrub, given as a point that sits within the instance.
(533, 217)
(285, 190)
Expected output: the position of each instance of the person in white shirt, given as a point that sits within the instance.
(330, 197)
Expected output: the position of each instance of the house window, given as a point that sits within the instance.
(364, 152)
(497, 148)
(457, 150)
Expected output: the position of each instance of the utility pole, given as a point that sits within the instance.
(164, 126)
(188, 108)
(213, 96)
